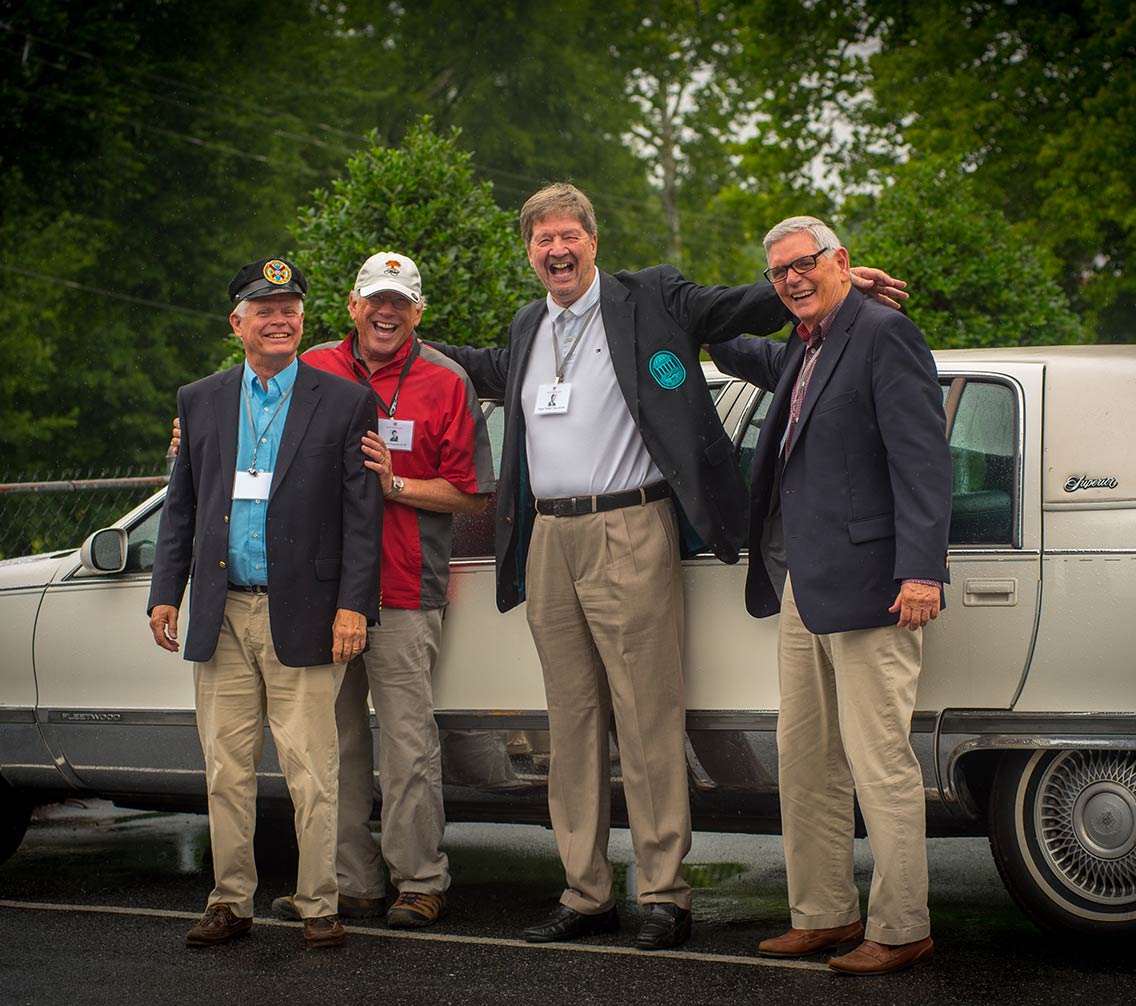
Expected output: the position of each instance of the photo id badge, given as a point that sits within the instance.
(247, 486)
(398, 433)
(552, 399)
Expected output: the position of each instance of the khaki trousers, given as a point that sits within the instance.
(397, 669)
(605, 606)
(233, 692)
(844, 726)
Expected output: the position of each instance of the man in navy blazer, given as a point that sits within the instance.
(851, 493)
(271, 511)
(614, 465)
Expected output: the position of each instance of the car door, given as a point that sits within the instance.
(114, 709)
(977, 653)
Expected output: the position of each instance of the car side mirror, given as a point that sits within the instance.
(104, 551)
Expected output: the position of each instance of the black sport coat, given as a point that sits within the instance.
(656, 322)
(865, 494)
(324, 522)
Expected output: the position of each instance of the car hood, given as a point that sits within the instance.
(31, 570)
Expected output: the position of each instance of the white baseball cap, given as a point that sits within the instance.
(389, 271)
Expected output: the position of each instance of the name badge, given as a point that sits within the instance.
(247, 486)
(552, 399)
(398, 433)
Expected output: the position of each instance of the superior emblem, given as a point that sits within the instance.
(667, 370)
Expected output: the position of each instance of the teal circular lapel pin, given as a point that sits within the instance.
(667, 369)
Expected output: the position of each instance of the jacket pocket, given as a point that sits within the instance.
(836, 402)
(720, 451)
(872, 528)
(327, 569)
(320, 449)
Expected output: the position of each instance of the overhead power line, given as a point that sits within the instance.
(72, 285)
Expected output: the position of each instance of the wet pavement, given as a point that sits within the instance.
(94, 904)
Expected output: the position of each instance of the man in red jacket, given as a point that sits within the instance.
(435, 462)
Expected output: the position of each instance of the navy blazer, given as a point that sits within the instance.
(324, 521)
(656, 322)
(865, 494)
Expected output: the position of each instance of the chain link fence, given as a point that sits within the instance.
(40, 514)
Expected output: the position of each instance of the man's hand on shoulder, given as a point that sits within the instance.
(348, 635)
(175, 437)
(878, 285)
(917, 604)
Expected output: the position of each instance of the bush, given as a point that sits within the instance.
(420, 200)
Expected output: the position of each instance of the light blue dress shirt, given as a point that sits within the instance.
(268, 407)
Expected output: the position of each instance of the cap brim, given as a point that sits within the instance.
(386, 284)
(265, 289)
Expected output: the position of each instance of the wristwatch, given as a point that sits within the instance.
(397, 485)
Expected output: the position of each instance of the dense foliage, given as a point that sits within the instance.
(419, 199)
(981, 149)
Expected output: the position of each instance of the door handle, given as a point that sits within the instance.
(995, 593)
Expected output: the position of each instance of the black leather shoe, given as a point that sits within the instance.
(664, 925)
(566, 924)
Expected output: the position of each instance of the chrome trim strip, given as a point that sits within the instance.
(1124, 504)
(118, 717)
(17, 714)
(1089, 551)
(1016, 553)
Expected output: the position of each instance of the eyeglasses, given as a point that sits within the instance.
(805, 264)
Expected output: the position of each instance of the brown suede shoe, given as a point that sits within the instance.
(799, 942)
(324, 931)
(413, 910)
(217, 925)
(871, 958)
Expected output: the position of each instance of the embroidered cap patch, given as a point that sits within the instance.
(667, 369)
(277, 272)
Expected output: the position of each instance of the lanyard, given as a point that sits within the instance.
(252, 428)
(562, 365)
(389, 409)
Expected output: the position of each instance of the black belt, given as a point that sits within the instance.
(574, 506)
(249, 588)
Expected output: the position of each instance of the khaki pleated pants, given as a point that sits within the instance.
(396, 669)
(844, 727)
(233, 692)
(605, 606)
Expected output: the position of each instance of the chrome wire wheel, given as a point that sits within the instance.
(1063, 834)
(1085, 821)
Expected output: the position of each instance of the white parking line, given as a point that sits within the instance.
(431, 937)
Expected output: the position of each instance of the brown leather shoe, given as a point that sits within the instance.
(324, 931)
(871, 958)
(217, 925)
(799, 942)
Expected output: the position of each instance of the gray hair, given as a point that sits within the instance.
(821, 233)
(241, 308)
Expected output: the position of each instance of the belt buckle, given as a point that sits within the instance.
(564, 506)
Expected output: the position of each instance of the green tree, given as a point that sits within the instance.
(975, 280)
(420, 199)
(1037, 99)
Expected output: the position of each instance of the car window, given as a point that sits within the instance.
(140, 541)
(748, 441)
(475, 534)
(981, 416)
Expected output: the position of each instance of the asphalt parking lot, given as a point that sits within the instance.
(94, 905)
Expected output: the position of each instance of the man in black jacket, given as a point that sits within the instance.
(271, 509)
(614, 465)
